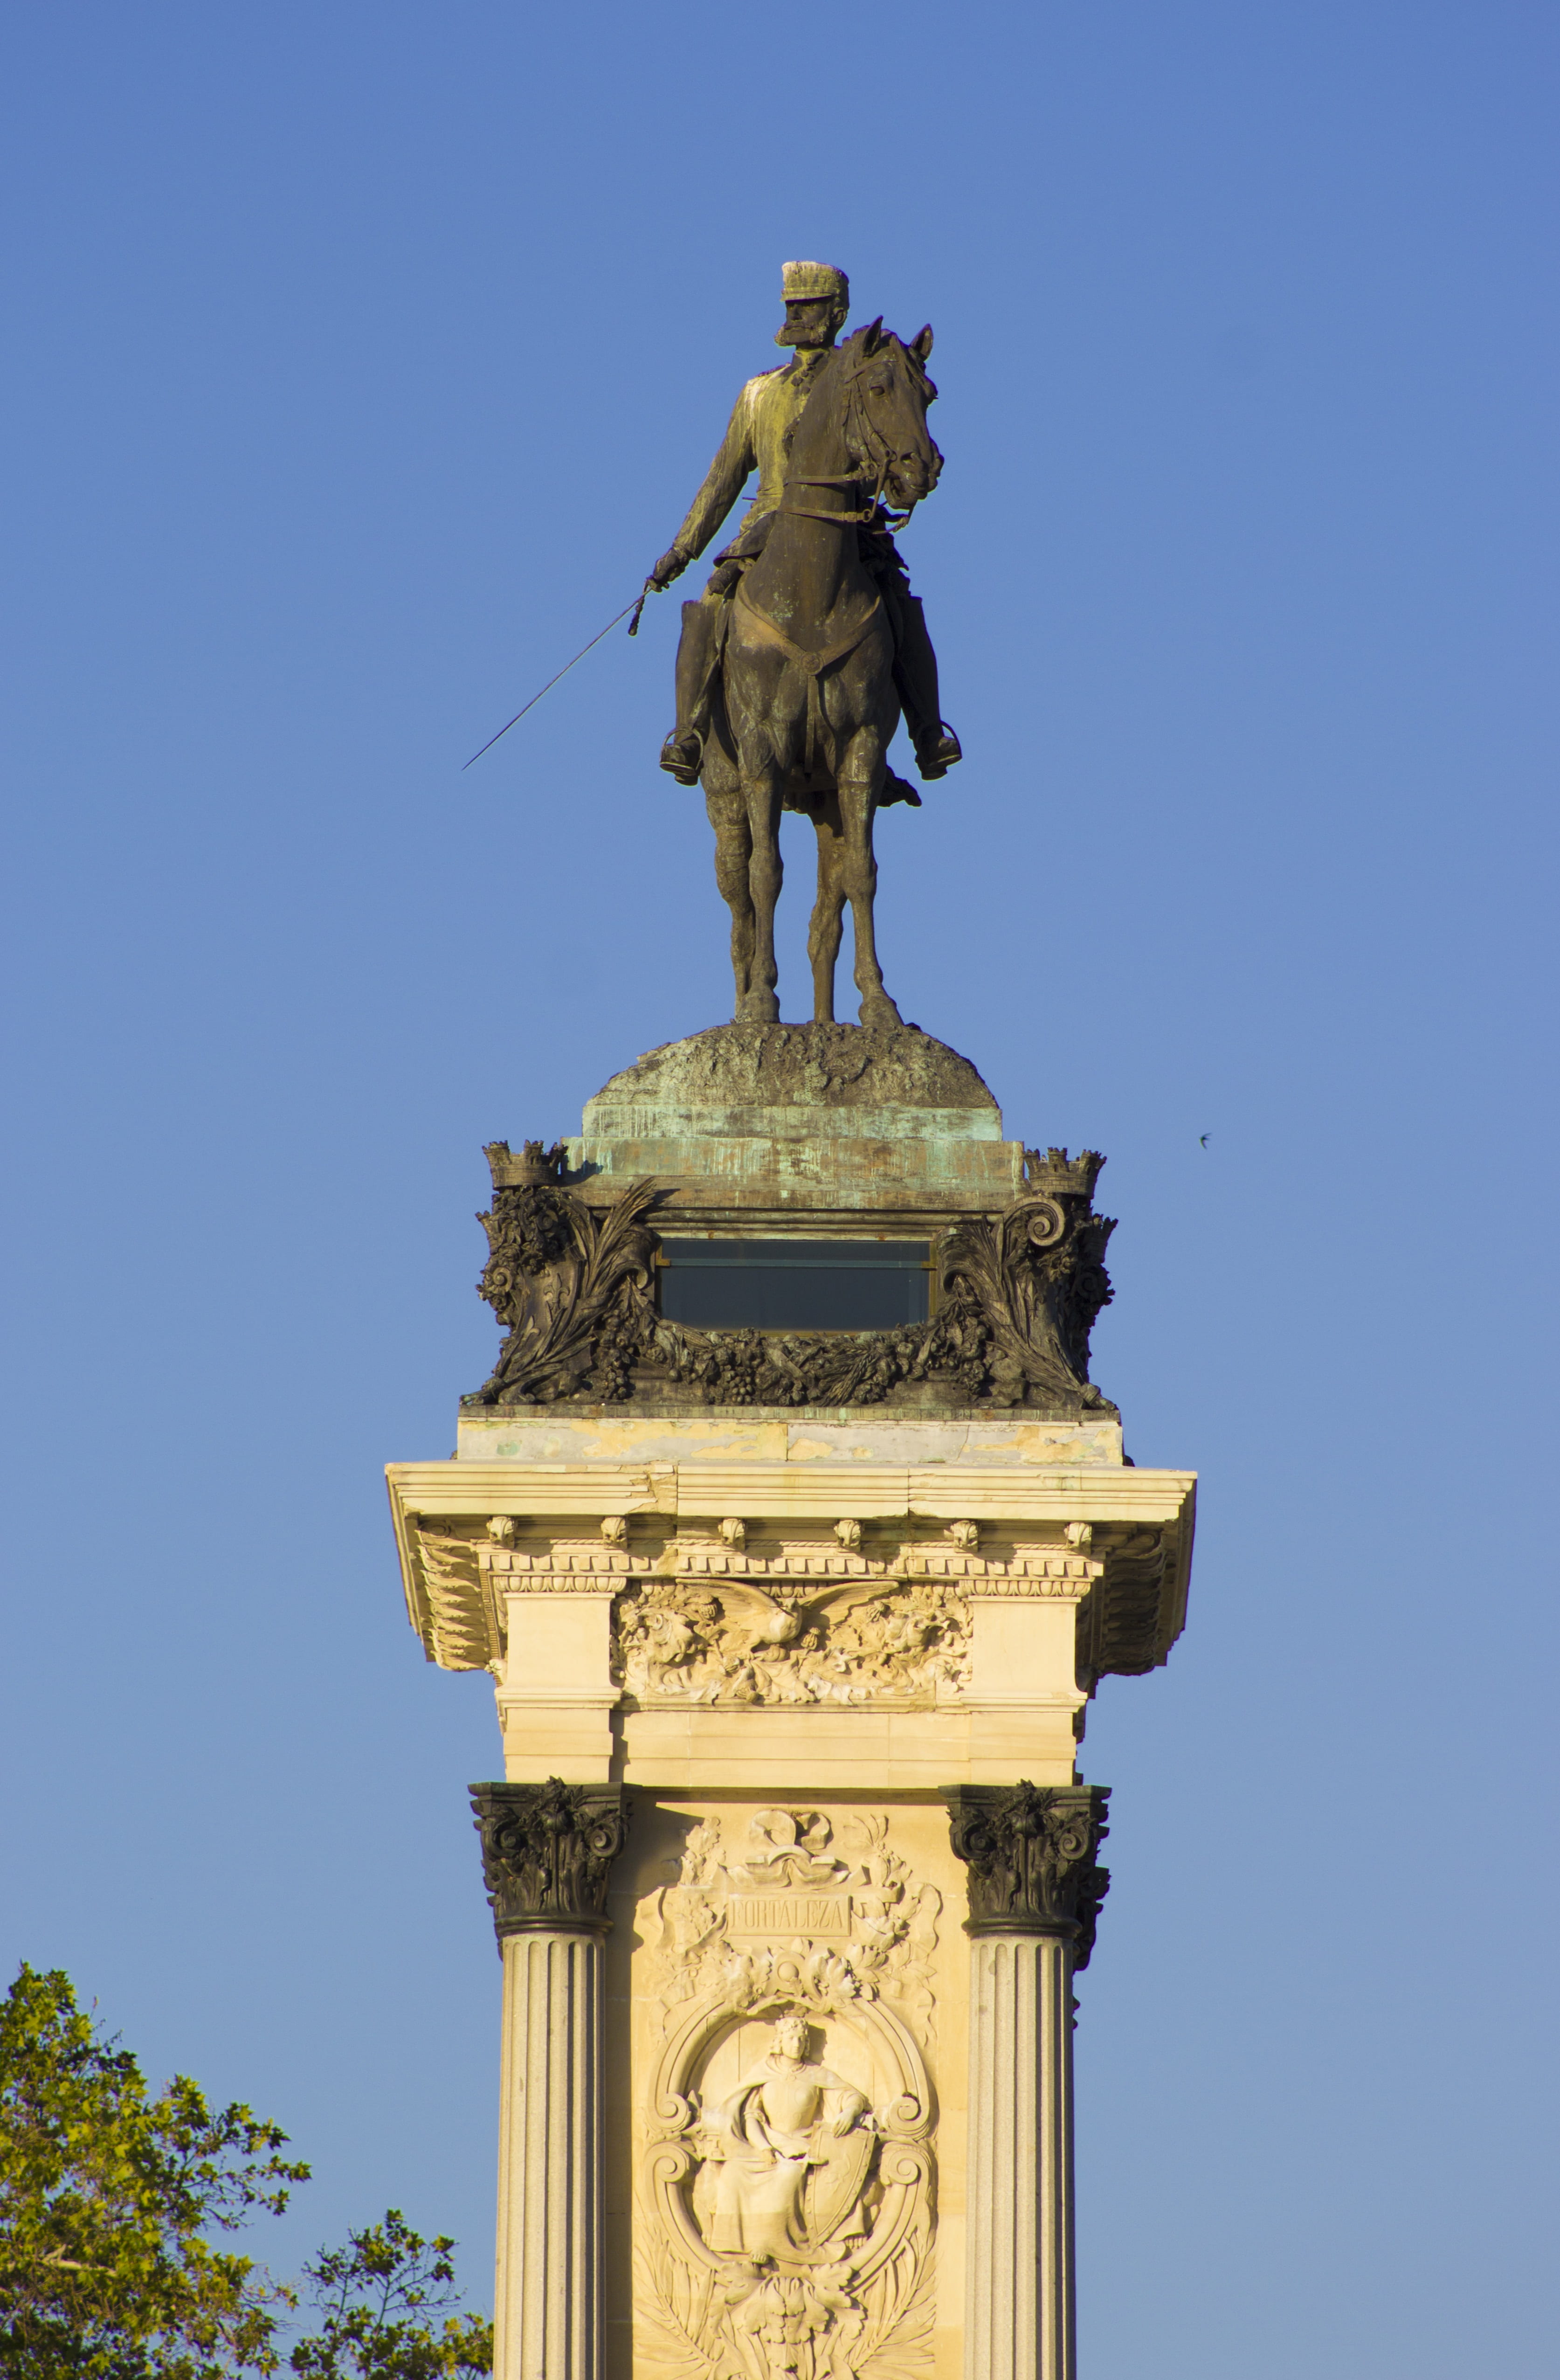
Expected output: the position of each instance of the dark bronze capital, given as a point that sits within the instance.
(1029, 1851)
(548, 1853)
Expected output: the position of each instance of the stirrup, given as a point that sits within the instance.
(682, 755)
(936, 754)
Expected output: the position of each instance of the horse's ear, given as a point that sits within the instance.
(872, 337)
(921, 345)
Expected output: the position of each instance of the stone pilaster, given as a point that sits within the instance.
(1035, 1892)
(546, 1856)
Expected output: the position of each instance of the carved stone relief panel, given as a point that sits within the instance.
(709, 1640)
(787, 1983)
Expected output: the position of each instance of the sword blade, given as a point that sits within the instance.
(552, 680)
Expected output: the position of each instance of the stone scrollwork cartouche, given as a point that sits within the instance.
(571, 1282)
(863, 1913)
(728, 1640)
(786, 2216)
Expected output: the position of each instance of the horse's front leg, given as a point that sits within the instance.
(861, 781)
(761, 796)
(828, 909)
(734, 849)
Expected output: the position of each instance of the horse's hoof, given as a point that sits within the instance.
(877, 1009)
(757, 1008)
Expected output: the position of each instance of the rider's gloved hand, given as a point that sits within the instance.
(672, 566)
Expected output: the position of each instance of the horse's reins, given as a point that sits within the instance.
(811, 512)
(885, 461)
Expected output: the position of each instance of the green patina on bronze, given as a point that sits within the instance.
(814, 1131)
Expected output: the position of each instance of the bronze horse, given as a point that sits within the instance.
(807, 707)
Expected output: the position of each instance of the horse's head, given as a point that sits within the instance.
(887, 394)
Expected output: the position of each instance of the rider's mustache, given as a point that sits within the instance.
(802, 330)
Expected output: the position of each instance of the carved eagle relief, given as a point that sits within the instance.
(724, 1639)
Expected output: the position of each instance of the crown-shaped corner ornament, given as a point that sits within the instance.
(539, 1164)
(1061, 1176)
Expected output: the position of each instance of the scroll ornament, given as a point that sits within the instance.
(559, 1274)
(1029, 1851)
(547, 1851)
(571, 1282)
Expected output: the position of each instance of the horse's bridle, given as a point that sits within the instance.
(884, 459)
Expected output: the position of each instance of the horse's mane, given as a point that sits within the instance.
(852, 351)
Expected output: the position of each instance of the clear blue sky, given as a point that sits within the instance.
(360, 359)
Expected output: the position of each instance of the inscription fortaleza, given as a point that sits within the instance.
(815, 1917)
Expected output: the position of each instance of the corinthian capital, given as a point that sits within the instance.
(548, 1853)
(1029, 1851)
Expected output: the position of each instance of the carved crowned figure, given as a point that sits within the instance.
(793, 2150)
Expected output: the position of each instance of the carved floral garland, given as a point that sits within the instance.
(571, 1284)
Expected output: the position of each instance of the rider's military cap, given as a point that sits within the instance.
(814, 281)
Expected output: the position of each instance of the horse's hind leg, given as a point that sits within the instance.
(733, 853)
(829, 910)
(859, 781)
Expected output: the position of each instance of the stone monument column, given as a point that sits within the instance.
(790, 1513)
(546, 1856)
(1035, 1892)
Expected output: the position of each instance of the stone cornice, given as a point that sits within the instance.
(547, 1853)
(823, 1490)
(1030, 1854)
(1117, 1539)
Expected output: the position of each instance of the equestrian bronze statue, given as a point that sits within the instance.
(796, 663)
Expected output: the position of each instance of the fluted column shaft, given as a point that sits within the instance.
(1019, 2294)
(546, 2310)
(1034, 1894)
(547, 1855)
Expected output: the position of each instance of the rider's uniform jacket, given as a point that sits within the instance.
(759, 438)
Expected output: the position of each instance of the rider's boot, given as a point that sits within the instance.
(682, 755)
(915, 676)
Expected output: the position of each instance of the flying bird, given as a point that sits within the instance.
(1202, 1140)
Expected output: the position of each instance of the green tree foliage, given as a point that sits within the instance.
(107, 2196)
(108, 2199)
(374, 2297)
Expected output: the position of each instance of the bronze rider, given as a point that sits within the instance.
(817, 299)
